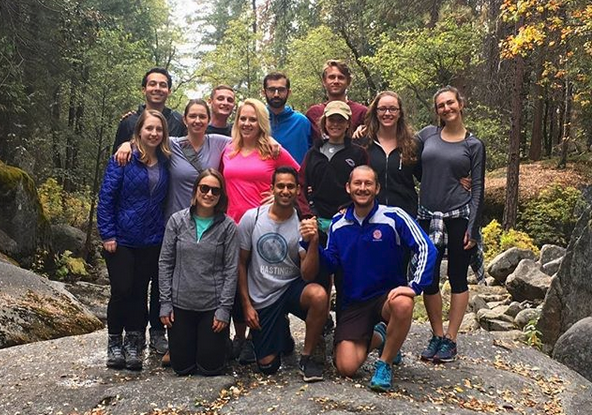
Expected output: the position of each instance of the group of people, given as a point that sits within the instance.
(259, 219)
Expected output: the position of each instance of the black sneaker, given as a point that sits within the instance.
(158, 341)
(247, 353)
(237, 346)
(311, 370)
(115, 358)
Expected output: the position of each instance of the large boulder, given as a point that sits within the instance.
(551, 253)
(22, 218)
(505, 263)
(551, 267)
(570, 296)
(574, 348)
(32, 308)
(528, 282)
(526, 316)
(67, 238)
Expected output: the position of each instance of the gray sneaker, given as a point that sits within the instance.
(158, 341)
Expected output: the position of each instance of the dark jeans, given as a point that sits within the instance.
(130, 271)
(194, 346)
(458, 257)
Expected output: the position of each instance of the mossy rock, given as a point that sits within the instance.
(33, 308)
(22, 216)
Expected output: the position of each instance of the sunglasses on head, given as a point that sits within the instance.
(205, 189)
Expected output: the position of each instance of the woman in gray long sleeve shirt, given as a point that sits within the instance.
(198, 271)
(449, 213)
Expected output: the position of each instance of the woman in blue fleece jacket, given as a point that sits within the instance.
(130, 218)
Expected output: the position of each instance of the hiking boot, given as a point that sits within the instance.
(446, 352)
(380, 329)
(247, 353)
(132, 350)
(311, 370)
(382, 378)
(433, 346)
(158, 341)
(115, 358)
(166, 359)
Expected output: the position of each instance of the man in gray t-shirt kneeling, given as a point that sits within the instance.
(274, 279)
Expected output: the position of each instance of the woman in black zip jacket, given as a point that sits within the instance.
(393, 152)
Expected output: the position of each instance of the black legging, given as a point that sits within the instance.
(458, 257)
(194, 346)
(130, 271)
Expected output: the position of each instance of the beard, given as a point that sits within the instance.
(276, 102)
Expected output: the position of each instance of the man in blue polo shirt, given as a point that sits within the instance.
(290, 128)
(376, 302)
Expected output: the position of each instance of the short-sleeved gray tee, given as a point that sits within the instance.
(275, 254)
(183, 174)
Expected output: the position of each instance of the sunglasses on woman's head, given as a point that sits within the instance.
(205, 189)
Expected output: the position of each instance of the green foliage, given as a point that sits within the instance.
(64, 207)
(491, 239)
(69, 268)
(550, 217)
(237, 60)
(491, 127)
(496, 240)
(533, 335)
(517, 239)
(423, 59)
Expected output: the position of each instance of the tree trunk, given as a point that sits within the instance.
(546, 140)
(552, 127)
(513, 173)
(566, 126)
(536, 141)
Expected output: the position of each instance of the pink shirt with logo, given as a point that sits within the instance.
(248, 177)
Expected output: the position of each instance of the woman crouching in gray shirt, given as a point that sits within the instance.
(197, 276)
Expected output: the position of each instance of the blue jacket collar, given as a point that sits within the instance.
(287, 112)
(349, 213)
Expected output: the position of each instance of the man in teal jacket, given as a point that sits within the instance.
(290, 128)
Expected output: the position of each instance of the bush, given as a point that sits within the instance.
(496, 240)
(64, 207)
(68, 268)
(550, 217)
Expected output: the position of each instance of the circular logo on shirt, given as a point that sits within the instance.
(377, 234)
(272, 247)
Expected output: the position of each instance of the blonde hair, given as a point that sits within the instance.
(163, 147)
(263, 141)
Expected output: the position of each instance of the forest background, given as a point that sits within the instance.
(69, 69)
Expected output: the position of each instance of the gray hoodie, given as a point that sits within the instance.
(198, 275)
